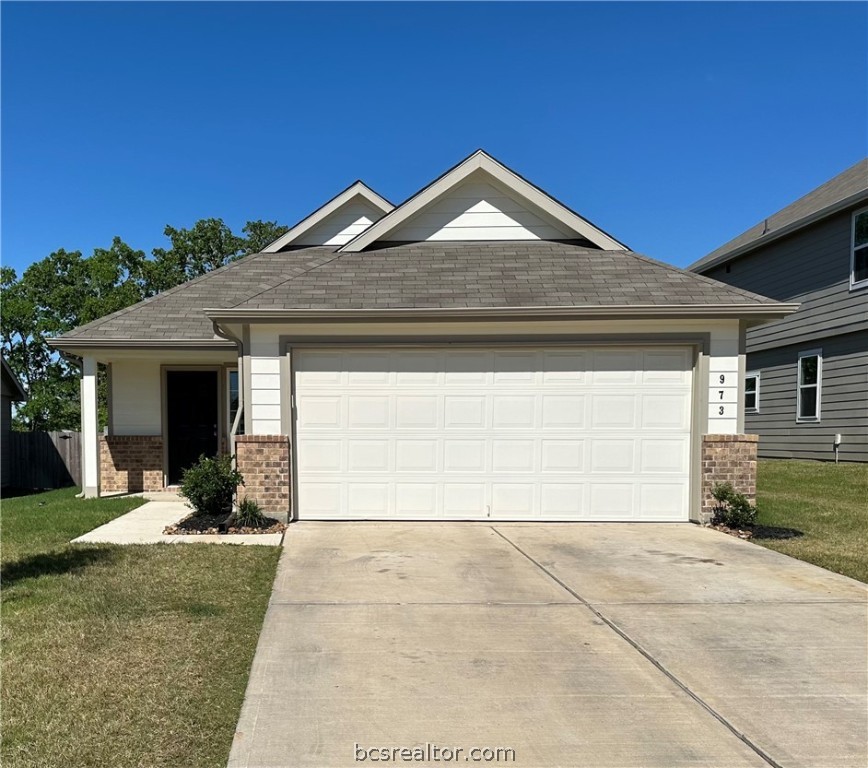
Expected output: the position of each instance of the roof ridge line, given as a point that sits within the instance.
(337, 255)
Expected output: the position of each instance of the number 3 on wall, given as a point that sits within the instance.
(720, 411)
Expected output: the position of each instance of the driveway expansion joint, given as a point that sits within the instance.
(645, 653)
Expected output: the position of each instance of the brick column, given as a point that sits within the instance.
(131, 463)
(728, 459)
(263, 460)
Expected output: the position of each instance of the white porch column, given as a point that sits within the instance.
(89, 428)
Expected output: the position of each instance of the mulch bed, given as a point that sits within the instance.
(193, 525)
(758, 532)
(746, 533)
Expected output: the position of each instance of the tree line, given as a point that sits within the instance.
(66, 289)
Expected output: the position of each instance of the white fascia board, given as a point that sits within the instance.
(479, 160)
(772, 311)
(357, 189)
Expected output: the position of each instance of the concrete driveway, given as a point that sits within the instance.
(571, 644)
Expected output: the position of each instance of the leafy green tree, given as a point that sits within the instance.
(261, 233)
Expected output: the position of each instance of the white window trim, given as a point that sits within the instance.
(756, 375)
(854, 285)
(229, 372)
(818, 353)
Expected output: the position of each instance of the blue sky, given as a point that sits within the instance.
(672, 126)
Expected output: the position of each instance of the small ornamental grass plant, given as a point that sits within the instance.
(249, 515)
(210, 484)
(732, 509)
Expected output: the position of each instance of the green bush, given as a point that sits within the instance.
(210, 484)
(249, 514)
(733, 509)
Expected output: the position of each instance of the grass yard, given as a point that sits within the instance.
(828, 504)
(121, 656)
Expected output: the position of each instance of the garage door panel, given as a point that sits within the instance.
(611, 501)
(562, 500)
(464, 455)
(663, 501)
(618, 366)
(510, 434)
(416, 411)
(564, 367)
(613, 411)
(514, 411)
(321, 413)
(368, 455)
(467, 368)
(464, 412)
(665, 367)
(513, 500)
(368, 499)
(512, 456)
(321, 456)
(564, 412)
(416, 455)
(563, 456)
(613, 456)
(665, 411)
(667, 456)
(417, 499)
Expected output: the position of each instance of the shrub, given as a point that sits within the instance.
(733, 509)
(210, 484)
(249, 514)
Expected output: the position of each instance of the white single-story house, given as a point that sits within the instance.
(478, 352)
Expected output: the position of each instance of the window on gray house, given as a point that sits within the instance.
(751, 393)
(859, 256)
(810, 382)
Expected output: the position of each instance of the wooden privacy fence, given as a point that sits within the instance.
(44, 459)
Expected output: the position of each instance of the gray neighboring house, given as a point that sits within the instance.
(807, 373)
(478, 352)
(12, 392)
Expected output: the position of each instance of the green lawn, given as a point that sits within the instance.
(827, 503)
(121, 656)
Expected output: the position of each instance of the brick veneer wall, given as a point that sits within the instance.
(264, 462)
(131, 463)
(728, 458)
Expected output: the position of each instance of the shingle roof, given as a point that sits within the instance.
(417, 275)
(178, 312)
(492, 274)
(850, 183)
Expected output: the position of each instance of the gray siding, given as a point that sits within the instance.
(5, 427)
(843, 401)
(812, 267)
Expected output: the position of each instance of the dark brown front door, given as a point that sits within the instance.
(192, 415)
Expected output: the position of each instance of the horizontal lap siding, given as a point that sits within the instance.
(844, 401)
(811, 267)
(477, 211)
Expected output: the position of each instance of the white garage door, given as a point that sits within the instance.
(493, 434)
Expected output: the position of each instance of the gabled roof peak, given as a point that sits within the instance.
(338, 220)
(551, 216)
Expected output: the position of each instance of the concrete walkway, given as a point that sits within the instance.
(575, 645)
(145, 525)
